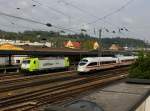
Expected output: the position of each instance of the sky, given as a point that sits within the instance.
(74, 15)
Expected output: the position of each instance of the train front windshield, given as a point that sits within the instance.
(83, 62)
(26, 62)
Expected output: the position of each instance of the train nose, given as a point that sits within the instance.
(24, 66)
(81, 69)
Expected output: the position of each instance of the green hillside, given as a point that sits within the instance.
(58, 38)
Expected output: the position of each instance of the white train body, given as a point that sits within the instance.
(4, 60)
(15, 60)
(98, 63)
(127, 60)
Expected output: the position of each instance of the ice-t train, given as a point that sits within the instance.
(97, 63)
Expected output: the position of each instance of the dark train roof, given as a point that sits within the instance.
(46, 51)
(50, 53)
(56, 52)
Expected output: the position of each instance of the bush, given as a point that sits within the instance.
(141, 68)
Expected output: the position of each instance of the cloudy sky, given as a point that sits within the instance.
(79, 14)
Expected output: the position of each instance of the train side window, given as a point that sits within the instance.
(92, 64)
(108, 62)
(127, 60)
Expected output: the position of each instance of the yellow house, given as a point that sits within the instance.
(96, 45)
(115, 47)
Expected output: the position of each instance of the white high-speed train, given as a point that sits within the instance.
(97, 63)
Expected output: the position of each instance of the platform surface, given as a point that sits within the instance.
(119, 96)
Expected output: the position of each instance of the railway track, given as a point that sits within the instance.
(50, 93)
(9, 76)
(13, 76)
(31, 81)
(24, 81)
(18, 76)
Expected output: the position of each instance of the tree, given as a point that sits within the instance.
(141, 68)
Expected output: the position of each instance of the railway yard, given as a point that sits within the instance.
(74, 55)
(25, 93)
(34, 80)
(35, 83)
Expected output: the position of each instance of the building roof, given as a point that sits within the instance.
(71, 44)
(8, 46)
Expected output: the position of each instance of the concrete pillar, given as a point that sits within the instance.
(9, 60)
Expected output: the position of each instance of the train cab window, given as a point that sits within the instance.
(26, 62)
(84, 60)
(17, 61)
(82, 63)
(92, 64)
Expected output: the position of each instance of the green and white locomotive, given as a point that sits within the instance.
(48, 63)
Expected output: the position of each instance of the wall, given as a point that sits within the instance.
(145, 106)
